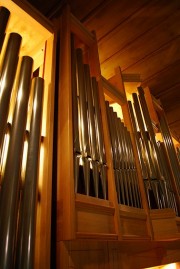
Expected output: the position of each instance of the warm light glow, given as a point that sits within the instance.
(167, 266)
(24, 159)
(3, 83)
(4, 152)
(159, 137)
(20, 94)
(175, 141)
(131, 87)
(41, 166)
(117, 108)
(80, 161)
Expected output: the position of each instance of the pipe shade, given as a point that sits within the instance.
(27, 226)
(7, 76)
(10, 187)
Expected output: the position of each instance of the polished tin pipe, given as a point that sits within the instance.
(132, 171)
(4, 17)
(83, 119)
(127, 160)
(112, 136)
(138, 144)
(7, 76)
(118, 181)
(98, 121)
(99, 137)
(75, 104)
(170, 149)
(170, 187)
(150, 132)
(118, 156)
(76, 141)
(103, 175)
(95, 169)
(82, 104)
(10, 187)
(91, 116)
(27, 225)
(123, 161)
(92, 130)
(151, 166)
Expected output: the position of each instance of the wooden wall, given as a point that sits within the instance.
(109, 255)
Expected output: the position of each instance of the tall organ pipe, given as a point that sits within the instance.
(7, 76)
(10, 186)
(26, 238)
(4, 17)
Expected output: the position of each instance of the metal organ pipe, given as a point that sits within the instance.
(7, 76)
(26, 235)
(10, 186)
(4, 17)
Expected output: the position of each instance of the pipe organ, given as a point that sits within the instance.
(113, 182)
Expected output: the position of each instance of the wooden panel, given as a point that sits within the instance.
(133, 223)
(94, 218)
(113, 255)
(178, 224)
(142, 254)
(164, 224)
(82, 255)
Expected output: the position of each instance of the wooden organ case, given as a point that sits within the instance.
(102, 204)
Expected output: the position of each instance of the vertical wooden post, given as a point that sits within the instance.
(43, 225)
(112, 195)
(65, 174)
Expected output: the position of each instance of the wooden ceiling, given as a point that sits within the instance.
(142, 37)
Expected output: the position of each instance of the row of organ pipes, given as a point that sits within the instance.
(90, 167)
(153, 156)
(19, 150)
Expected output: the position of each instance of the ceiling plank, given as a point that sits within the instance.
(112, 16)
(135, 27)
